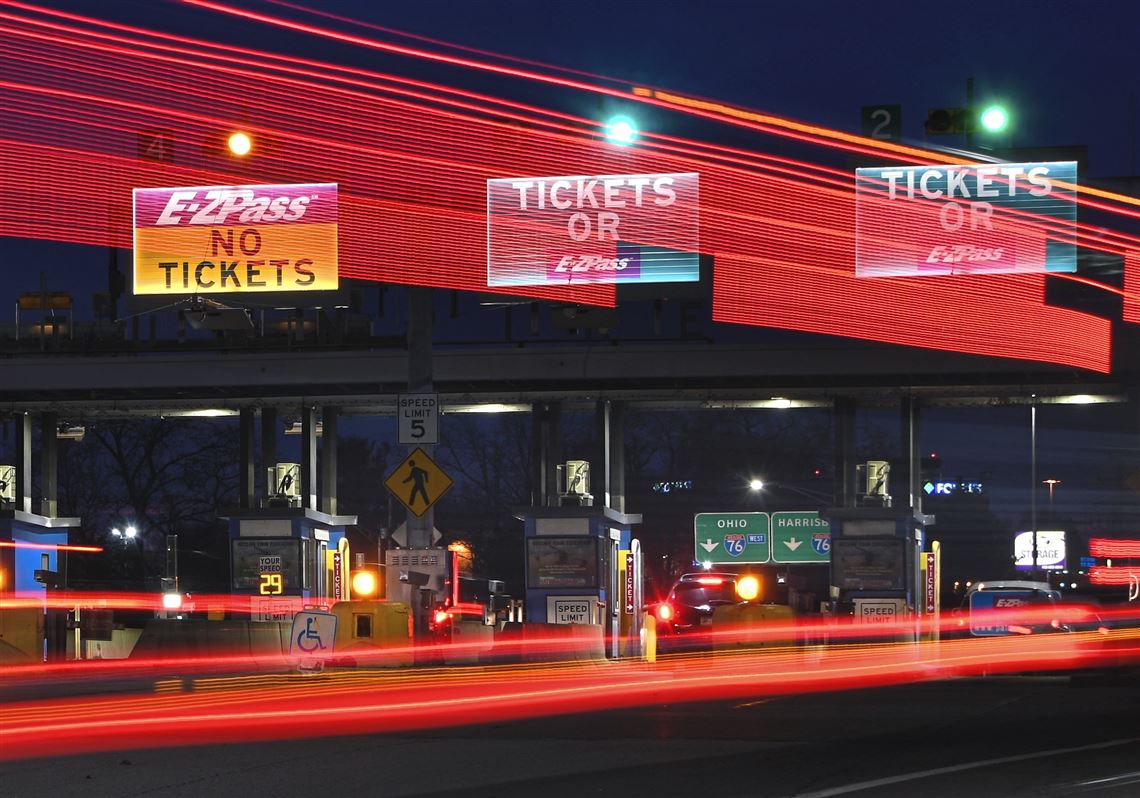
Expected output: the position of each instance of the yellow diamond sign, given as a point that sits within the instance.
(418, 482)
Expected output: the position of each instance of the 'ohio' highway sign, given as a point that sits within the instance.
(732, 538)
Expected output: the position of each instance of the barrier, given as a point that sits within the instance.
(471, 642)
(550, 642)
(747, 625)
(171, 637)
(366, 628)
(21, 635)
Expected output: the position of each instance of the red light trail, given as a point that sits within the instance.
(200, 710)
(412, 159)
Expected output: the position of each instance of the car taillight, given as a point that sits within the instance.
(1020, 630)
(664, 612)
(710, 580)
(1055, 623)
(441, 617)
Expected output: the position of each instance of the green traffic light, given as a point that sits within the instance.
(995, 119)
(621, 130)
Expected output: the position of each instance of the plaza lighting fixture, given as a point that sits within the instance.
(240, 144)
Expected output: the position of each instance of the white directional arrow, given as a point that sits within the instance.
(792, 543)
(708, 545)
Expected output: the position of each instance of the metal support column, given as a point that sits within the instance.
(247, 446)
(49, 465)
(600, 478)
(420, 320)
(308, 458)
(843, 418)
(23, 462)
(617, 457)
(910, 491)
(546, 453)
(328, 459)
(268, 448)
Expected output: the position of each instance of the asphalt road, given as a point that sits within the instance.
(1015, 736)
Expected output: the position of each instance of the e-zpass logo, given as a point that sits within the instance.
(218, 205)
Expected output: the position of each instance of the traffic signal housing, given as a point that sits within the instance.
(945, 121)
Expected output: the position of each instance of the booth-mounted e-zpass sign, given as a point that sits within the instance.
(996, 218)
(579, 229)
(235, 239)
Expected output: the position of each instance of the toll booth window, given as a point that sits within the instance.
(363, 624)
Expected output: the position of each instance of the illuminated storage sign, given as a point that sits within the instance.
(593, 229)
(235, 239)
(979, 219)
(1050, 550)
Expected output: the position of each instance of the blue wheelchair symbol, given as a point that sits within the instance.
(308, 640)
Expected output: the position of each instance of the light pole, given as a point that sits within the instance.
(1033, 477)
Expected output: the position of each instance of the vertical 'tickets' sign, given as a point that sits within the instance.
(235, 239)
(593, 229)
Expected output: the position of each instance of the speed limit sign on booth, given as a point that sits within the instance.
(418, 415)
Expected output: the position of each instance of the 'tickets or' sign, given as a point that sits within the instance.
(235, 239)
(977, 219)
(593, 229)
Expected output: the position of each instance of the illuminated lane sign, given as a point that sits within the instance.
(915, 221)
(235, 239)
(593, 229)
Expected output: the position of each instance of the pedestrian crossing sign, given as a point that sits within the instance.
(418, 482)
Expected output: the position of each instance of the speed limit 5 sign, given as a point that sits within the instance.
(418, 418)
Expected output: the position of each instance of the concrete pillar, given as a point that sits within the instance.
(49, 465)
(328, 459)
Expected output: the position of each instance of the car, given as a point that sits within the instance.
(1011, 607)
(684, 617)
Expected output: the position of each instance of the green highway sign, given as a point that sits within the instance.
(721, 538)
(800, 537)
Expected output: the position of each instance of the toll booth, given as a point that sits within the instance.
(576, 572)
(30, 556)
(877, 572)
(30, 564)
(288, 558)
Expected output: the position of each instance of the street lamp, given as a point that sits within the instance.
(756, 484)
(1050, 482)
